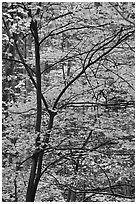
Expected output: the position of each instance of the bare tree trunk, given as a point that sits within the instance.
(71, 196)
(36, 166)
(37, 156)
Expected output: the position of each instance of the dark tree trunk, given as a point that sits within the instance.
(37, 156)
(36, 166)
(71, 197)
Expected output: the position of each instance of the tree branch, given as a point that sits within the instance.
(109, 182)
(93, 62)
(29, 73)
(121, 14)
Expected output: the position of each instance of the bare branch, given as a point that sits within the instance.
(65, 14)
(30, 75)
(110, 194)
(109, 182)
(126, 19)
(18, 61)
(94, 61)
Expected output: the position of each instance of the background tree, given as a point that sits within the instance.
(69, 131)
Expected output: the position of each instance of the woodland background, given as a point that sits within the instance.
(68, 101)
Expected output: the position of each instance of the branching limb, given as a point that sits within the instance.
(109, 182)
(30, 75)
(119, 40)
(110, 194)
(126, 19)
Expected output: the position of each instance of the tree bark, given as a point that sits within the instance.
(71, 197)
(37, 157)
(36, 166)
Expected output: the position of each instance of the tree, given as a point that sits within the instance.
(81, 64)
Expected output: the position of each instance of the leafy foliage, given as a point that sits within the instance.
(80, 56)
